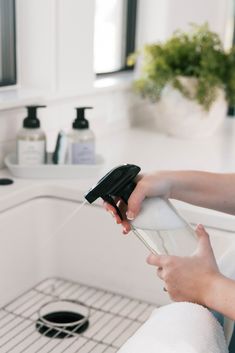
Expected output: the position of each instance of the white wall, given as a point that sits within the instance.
(182, 12)
(36, 44)
(75, 33)
(158, 19)
(151, 21)
(55, 50)
(55, 54)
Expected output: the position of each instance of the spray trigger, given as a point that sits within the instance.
(111, 201)
(119, 182)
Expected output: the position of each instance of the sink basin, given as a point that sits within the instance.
(88, 249)
(86, 260)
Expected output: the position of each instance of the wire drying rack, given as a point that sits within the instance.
(113, 319)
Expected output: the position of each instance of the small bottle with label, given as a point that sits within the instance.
(31, 140)
(81, 140)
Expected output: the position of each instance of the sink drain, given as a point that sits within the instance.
(62, 319)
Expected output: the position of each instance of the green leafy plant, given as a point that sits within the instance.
(198, 54)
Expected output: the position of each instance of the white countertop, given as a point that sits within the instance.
(153, 151)
(148, 149)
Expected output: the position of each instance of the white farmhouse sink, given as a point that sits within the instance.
(89, 249)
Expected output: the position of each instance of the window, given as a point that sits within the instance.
(7, 43)
(115, 23)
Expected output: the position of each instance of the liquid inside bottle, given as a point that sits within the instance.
(163, 230)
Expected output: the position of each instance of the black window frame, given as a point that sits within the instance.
(8, 42)
(231, 110)
(130, 38)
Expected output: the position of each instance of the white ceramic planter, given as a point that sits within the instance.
(179, 116)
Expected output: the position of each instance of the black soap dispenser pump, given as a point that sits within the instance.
(81, 122)
(31, 139)
(81, 140)
(32, 121)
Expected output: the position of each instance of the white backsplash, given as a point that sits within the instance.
(110, 113)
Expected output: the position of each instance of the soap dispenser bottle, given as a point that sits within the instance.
(158, 225)
(31, 140)
(81, 140)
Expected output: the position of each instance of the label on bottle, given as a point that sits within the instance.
(31, 152)
(83, 153)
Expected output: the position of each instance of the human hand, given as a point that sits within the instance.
(189, 278)
(156, 184)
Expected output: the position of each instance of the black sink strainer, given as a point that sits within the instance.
(62, 319)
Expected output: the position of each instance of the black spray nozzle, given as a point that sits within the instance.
(81, 122)
(119, 182)
(32, 121)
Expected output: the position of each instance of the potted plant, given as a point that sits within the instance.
(190, 81)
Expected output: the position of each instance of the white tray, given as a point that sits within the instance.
(53, 171)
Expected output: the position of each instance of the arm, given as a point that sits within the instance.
(210, 190)
(221, 297)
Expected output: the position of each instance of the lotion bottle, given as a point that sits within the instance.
(31, 140)
(81, 140)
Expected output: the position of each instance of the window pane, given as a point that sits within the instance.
(7, 43)
(110, 33)
(229, 27)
